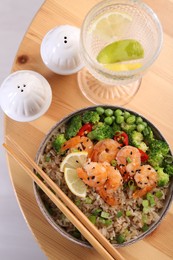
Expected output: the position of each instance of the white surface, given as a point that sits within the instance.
(16, 239)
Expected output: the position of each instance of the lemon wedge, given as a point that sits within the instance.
(110, 25)
(122, 66)
(74, 160)
(74, 183)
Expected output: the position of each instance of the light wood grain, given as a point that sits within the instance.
(154, 100)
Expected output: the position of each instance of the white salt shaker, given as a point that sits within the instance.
(25, 95)
(60, 50)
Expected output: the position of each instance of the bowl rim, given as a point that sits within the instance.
(47, 215)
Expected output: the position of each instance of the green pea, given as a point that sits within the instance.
(118, 112)
(126, 115)
(131, 119)
(113, 118)
(145, 124)
(119, 119)
(108, 120)
(100, 110)
(139, 120)
(109, 112)
(140, 127)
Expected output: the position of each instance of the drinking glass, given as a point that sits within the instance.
(131, 20)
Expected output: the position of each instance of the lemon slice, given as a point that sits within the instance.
(74, 160)
(74, 183)
(123, 66)
(111, 25)
(123, 50)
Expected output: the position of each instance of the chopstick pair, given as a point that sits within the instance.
(70, 210)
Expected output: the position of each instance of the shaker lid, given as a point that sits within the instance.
(60, 50)
(25, 95)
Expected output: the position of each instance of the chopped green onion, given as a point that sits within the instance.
(145, 203)
(169, 159)
(151, 200)
(92, 218)
(132, 185)
(128, 160)
(145, 227)
(119, 214)
(96, 212)
(104, 214)
(159, 194)
(120, 239)
(77, 202)
(108, 222)
(114, 163)
(128, 213)
(144, 218)
(47, 158)
(88, 200)
(76, 234)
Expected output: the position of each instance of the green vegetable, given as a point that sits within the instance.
(47, 159)
(88, 200)
(151, 200)
(140, 127)
(145, 227)
(148, 135)
(108, 112)
(168, 159)
(126, 114)
(118, 112)
(131, 185)
(142, 146)
(116, 127)
(101, 131)
(108, 120)
(159, 194)
(128, 127)
(119, 119)
(106, 222)
(92, 218)
(169, 169)
(159, 145)
(76, 234)
(104, 214)
(145, 203)
(120, 239)
(128, 160)
(90, 117)
(96, 212)
(155, 158)
(128, 213)
(58, 142)
(73, 127)
(114, 163)
(163, 178)
(131, 119)
(100, 110)
(139, 120)
(77, 202)
(119, 214)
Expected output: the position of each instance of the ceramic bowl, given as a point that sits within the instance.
(47, 214)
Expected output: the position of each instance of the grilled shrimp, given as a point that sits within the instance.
(80, 143)
(105, 150)
(146, 179)
(113, 182)
(128, 160)
(93, 174)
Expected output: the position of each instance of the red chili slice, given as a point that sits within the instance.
(144, 156)
(85, 129)
(122, 138)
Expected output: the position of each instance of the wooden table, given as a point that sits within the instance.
(154, 100)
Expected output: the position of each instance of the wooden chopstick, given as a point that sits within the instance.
(81, 217)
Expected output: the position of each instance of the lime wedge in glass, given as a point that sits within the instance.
(123, 50)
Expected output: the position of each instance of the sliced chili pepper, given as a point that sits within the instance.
(144, 156)
(85, 129)
(122, 138)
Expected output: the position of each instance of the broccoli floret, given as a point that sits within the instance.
(159, 145)
(169, 169)
(155, 158)
(73, 127)
(135, 138)
(127, 127)
(116, 127)
(163, 178)
(101, 131)
(59, 141)
(91, 117)
(142, 146)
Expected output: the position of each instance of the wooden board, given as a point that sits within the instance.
(154, 100)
